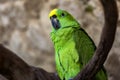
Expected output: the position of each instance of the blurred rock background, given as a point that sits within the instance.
(25, 28)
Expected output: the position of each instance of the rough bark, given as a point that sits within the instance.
(14, 68)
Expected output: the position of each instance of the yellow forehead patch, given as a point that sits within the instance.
(53, 12)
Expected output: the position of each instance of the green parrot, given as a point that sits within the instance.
(73, 47)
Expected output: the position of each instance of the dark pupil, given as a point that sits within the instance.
(63, 14)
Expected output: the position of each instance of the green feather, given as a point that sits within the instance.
(73, 47)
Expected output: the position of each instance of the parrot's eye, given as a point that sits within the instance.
(62, 14)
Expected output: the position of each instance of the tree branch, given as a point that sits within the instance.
(106, 41)
(14, 68)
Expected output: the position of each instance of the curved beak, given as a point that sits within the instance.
(55, 23)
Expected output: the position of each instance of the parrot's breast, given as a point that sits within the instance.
(66, 56)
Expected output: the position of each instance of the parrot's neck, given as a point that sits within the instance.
(62, 37)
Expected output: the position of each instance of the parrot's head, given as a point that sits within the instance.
(62, 19)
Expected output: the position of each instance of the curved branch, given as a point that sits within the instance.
(106, 41)
(14, 68)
